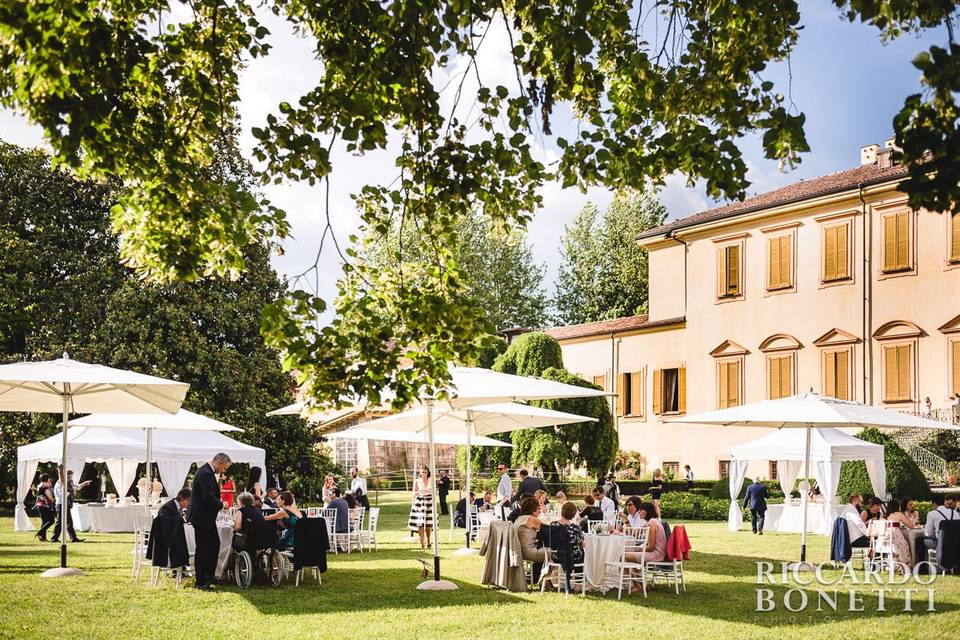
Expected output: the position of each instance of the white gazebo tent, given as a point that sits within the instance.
(828, 449)
(66, 386)
(122, 449)
(810, 411)
(182, 420)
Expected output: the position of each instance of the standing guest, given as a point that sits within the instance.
(688, 476)
(756, 500)
(328, 490)
(529, 485)
(44, 505)
(504, 487)
(287, 515)
(59, 498)
(227, 491)
(606, 504)
(253, 483)
(946, 511)
(421, 511)
(632, 517)
(656, 489)
(527, 524)
(270, 500)
(909, 509)
(443, 490)
(358, 487)
(857, 530)
(275, 483)
(205, 504)
(176, 506)
(612, 490)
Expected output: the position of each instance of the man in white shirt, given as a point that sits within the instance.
(856, 528)
(358, 487)
(606, 504)
(505, 487)
(946, 511)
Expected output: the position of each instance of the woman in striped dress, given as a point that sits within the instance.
(421, 511)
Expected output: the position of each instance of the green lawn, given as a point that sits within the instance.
(372, 595)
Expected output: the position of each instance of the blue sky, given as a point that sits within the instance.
(847, 82)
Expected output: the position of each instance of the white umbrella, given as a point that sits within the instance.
(294, 409)
(414, 437)
(182, 420)
(69, 386)
(810, 411)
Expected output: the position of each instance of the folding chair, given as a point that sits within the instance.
(330, 516)
(576, 577)
(627, 572)
(368, 536)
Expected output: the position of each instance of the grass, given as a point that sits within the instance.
(372, 595)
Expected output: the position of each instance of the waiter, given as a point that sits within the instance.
(205, 504)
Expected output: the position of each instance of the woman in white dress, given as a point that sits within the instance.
(421, 511)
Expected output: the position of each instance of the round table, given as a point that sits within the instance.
(225, 531)
(597, 551)
(101, 518)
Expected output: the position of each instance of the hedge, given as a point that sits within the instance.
(904, 478)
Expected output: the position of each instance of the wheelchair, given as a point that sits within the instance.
(254, 553)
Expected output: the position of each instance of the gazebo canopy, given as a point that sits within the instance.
(122, 449)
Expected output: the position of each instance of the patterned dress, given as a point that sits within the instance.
(421, 511)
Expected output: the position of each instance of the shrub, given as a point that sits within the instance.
(904, 478)
(629, 465)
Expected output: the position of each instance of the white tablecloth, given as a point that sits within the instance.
(788, 518)
(226, 538)
(103, 519)
(597, 551)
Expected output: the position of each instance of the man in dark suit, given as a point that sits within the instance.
(528, 485)
(202, 513)
(176, 506)
(443, 490)
(756, 500)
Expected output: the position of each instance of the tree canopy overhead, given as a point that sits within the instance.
(141, 92)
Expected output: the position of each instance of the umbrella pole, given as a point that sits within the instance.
(146, 500)
(806, 494)
(436, 584)
(64, 487)
(469, 503)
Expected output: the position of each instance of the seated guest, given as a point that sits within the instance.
(560, 498)
(565, 537)
(606, 505)
(486, 502)
(874, 510)
(901, 548)
(894, 514)
(287, 515)
(341, 522)
(247, 512)
(656, 549)
(460, 511)
(632, 517)
(176, 506)
(590, 512)
(271, 498)
(527, 525)
(516, 508)
(257, 501)
(946, 511)
(909, 509)
(541, 497)
(351, 500)
(857, 530)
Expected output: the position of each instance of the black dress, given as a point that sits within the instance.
(656, 488)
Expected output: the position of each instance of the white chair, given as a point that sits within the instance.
(313, 512)
(881, 543)
(670, 570)
(353, 535)
(330, 516)
(483, 520)
(368, 536)
(627, 572)
(142, 524)
(577, 576)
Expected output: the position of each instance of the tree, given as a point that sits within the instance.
(592, 444)
(128, 92)
(603, 274)
(497, 263)
(904, 478)
(63, 288)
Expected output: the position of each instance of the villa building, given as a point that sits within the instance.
(831, 284)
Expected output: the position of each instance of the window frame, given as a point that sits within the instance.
(825, 226)
(722, 244)
(671, 463)
(628, 385)
(776, 355)
(778, 232)
(836, 349)
(910, 268)
(911, 346)
(721, 464)
(681, 390)
(720, 364)
(773, 472)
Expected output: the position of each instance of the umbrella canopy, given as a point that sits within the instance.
(91, 388)
(182, 420)
(812, 409)
(472, 386)
(294, 409)
(415, 437)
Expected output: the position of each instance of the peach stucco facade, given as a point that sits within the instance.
(832, 324)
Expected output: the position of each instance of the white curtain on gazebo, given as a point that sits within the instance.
(173, 473)
(738, 471)
(877, 471)
(123, 472)
(26, 469)
(788, 471)
(827, 475)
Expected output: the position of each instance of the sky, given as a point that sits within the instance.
(847, 82)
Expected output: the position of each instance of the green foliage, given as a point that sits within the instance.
(530, 354)
(604, 271)
(63, 288)
(592, 444)
(904, 478)
(492, 348)
(629, 465)
(306, 487)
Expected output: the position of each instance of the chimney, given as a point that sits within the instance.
(868, 154)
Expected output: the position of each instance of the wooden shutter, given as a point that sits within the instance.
(786, 259)
(842, 259)
(897, 375)
(903, 240)
(889, 243)
(600, 381)
(773, 378)
(842, 375)
(896, 242)
(786, 376)
(621, 391)
(773, 263)
(733, 384)
(955, 237)
(955, 365)
(682, 389)
(830, 253)
(722, 384)
(658, 391)
(636, 394)
(731, 269)
(780, 380)
(829, 374)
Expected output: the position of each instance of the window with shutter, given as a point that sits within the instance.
(621, 392)
(728, 384)
(779, 251)
(836, 374)
(658, 391)
(896, 242)
(955, 237)
(896, 360)
(729, 270)
(955, 366)
(780, 377)
(835, 253)
(682, 389)
(636, 394)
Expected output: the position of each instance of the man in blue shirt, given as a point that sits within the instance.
(756, 500)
